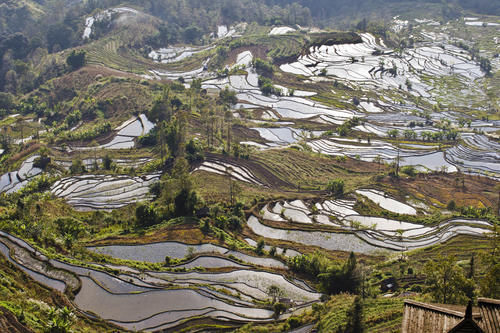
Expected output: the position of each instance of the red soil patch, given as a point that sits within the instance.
(27, 150)
(477, 191)
(188, 233)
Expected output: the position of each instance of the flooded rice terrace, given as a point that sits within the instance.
(152, 300)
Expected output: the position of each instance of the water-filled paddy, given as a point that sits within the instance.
(388, 203)
(156, 253)
(40, 278)
(104, 191)
(329, 241)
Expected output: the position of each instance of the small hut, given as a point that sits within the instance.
(439, 318)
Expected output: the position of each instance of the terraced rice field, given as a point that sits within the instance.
(367, 64)
(91, 192)
(197, 73)
(424, 157)
(285, 106)
(126, 134)
(362, 234)
(143, 301)
(136, 287)
(289, 253)
(325, 240)
(89, 21)
(89, 163)
(377, 120)
(283, 136)
(477, 154)
(388, 203)
(13, 181)
(234, 170)
(156, 253)
(281, 30)
(175, 54)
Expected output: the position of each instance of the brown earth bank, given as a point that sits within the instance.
(9, 323)
(25, 151)
(214, 188)
(123, 92)
(307, 170)
(260, 171)
(188, 233)
(441, 188)
(204, 325)
(85, 76)
(242, 133)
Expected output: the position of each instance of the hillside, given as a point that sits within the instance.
(246, 166)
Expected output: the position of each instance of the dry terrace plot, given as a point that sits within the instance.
(442, 188)
(309, 169)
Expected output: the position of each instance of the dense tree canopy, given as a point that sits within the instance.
(76, 59)
(446, 281)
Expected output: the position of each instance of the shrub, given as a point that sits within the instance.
(76, 59)
(336, 187)
(293, 322)
(355, 322)
(69, 226)
(145, 215)
(334, 277)
(341, 158)
(409, 170)
(234, 223)
(205, 227)
(77, 167)
(266, 86)
(221, 222)
(185, 202)
(38, 184)
(177, 86)
(150, 139)
(408, 84)
(343, 129)
(260, 247)
(194, 151)
(41, 162)
(393, 133)
(155, 189)
(60, 321)
(228, 97)
(107, 162)
(416, 288)
(87, 134)
(263, 67)
(279, 308)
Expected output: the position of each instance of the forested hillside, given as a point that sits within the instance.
(26, 37)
